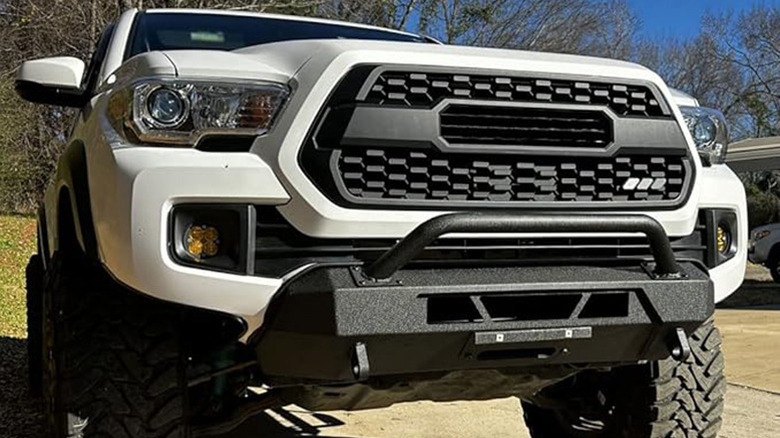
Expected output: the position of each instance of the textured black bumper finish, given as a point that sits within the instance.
(492, 318)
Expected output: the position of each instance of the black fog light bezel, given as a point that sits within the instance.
(235, 223)
(727, 219)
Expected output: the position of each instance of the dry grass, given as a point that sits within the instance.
(17, 243)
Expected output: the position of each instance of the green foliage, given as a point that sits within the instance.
(22, 174)
(763, 207)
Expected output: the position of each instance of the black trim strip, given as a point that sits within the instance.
(416, 241)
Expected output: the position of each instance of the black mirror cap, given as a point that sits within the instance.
(43, 94)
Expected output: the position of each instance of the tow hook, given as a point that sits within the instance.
(360, 366)
(681, 349)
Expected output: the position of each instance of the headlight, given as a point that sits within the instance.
(165, 108)
(761, 234)
(172, 111)
(709, 131)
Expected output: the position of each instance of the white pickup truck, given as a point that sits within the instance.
(349, 217)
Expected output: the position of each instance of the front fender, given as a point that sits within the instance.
(67, 213)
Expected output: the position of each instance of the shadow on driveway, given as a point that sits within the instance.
(20, 415)
(287, 423)
(764, 294)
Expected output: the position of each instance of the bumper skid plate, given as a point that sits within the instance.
(442, 320)
(327, 327)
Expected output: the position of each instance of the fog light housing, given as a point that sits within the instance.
(214, 237)
(721, 236)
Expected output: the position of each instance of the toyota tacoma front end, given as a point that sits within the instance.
(351, 217)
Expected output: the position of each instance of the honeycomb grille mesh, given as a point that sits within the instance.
(408, 174)
(416, 89)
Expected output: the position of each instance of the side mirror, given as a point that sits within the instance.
(52, 81)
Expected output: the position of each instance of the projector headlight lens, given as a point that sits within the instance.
(709, 131)
(166, 108)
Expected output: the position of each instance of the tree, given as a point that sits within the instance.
(566, 26)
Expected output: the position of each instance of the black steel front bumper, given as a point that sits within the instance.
(342, 324)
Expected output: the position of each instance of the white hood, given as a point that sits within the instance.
(281, 61)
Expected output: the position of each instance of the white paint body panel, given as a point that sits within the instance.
(61, 72)
(725, 190)
(131, 208)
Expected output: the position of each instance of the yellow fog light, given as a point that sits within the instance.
(202, 241)
(724, 239)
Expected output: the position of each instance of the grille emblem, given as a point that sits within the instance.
(643, 184)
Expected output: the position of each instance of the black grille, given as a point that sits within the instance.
(280, 248)
(413, 140)
(491, 125)
(408, 174)
(418, 89)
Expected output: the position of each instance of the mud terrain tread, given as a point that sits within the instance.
(117, 356)
(693, 390)
(668, 399)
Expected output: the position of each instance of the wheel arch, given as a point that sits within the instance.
(69, 212)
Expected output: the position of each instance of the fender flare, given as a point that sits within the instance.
(73, 208)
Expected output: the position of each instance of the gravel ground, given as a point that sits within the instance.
(19, 416)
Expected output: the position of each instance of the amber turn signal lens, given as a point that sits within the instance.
(724, 239)
(202, 241)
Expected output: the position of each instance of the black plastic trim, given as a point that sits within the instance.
(72, 176)
(343, 100)
(281, 249)
(243, 260)
(379, 70)
(411, 245)
(37, 93)
(728, 219)
(346, 199)
(379, 126)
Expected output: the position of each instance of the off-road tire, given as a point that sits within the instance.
(664, 399)
(773, 264)
(34, 289)
(115, 368)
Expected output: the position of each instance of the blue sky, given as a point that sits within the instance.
(681, 18)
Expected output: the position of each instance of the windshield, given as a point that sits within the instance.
(182, 31)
